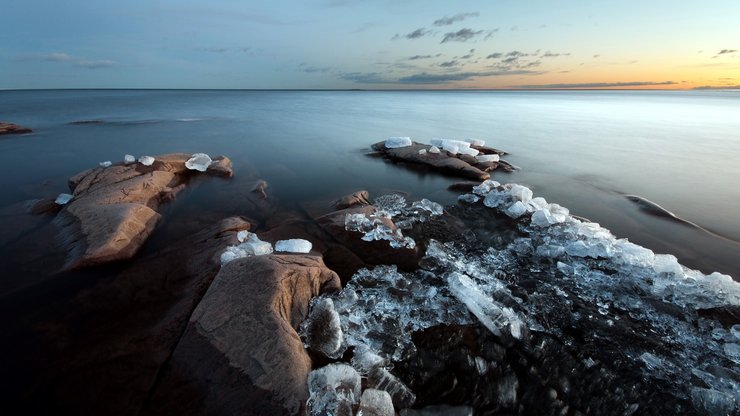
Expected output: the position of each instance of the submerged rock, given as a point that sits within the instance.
(10, 128)
(445, 162)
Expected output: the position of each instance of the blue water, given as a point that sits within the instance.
(582, 149)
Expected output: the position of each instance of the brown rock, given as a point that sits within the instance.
(10, 128)
(241, 353)
(463, 186)
(443, 162)
(44, 206)
(114, 209)
(357, 198)
(486, 150)
(221, 166)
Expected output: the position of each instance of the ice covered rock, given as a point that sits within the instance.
(129, 159)
(294, 245)
(334, 390)
(376, 403)
(476, 142)
(516, 210)
(146, 160)
(493, 316)
(322, 329)
(401, 396)
(487, 158)
(106, 164)
(425, 204)
(396, 142)
(63, 199)
(199, 162)
(434, 150)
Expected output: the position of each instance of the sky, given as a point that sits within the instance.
(369, 44)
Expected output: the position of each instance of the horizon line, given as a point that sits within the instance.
(368, 89)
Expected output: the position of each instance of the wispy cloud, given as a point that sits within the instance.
(462, 35)
(449, 64)
(63, 57)
(726, 51)
(596, 85)
(448, 20)
(495, 55)
(469, 54)
(417, 57)
(427, 78)
(364, 78)
(718, 87)
(549, 54)
(416, 34)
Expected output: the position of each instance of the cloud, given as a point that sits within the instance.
(718, 87)
(416, 34)
(103, 63)
(449, 64)
(596, 85)
(211, 49)
(549, 54)
(490, 33)
(468, 55)
(364, 78)
(726, 51)
(314, 69)
(67, 58)
(426, 78)
(417, 57)
(494, 55)
(462, 35)
(448, 20)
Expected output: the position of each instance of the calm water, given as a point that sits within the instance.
(582, 149)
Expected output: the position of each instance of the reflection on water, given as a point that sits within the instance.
(584, 149)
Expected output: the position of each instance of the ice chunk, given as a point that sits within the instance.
(364, 360)
(666, 263)
(469, 198)
(106, 164)
(333, 390)
(396, 142)
(146, 160)
(199, 162)
(129, 159)
(516, 210)
(735, 331)
(255, 246)
(713, 402)
(434, 150)
(323, 330)
(492, 316)
(452, 148)
(485, 187)
(481, 365)
(390, 204)
(732, 350)
(476, 142)
(538, 203)
(294, 245)
(242, 236)
(487, 158)
(62, 199)
(425, 204)
(376, 403)
(423, 151)
(468, 151)
(381, 379)
(652, 362)
(250, 245)
(521, 193)
(232, 253)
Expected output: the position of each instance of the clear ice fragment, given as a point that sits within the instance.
(376, 403)
(476, 142)
(434, 150)
(199, 162)
(146, 160)
(333, 390)
(129, 159)
(425, 204)
(106, 164)
(381, 379)
(516, 210)
(63, 199)
(469, 198)
(488, 158)
(485, 187)
(396, 142)
(294, 245)
(422, 151)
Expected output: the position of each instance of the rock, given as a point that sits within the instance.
(44, 206)
(100, 350)
(323, 331)
(114, 208)
(357, 198)
(444, 162)
(10, 128)
(260, 188)
(371, 252)
(240, 353)
(487, 150)
(221, 166)
(462, 186)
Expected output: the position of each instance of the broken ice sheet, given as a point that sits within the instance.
(396, 142)
(250, 245)
(294, 245)
(433, 207)
(333, 390)
(199, 162)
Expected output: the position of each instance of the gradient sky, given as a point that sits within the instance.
(369, 44)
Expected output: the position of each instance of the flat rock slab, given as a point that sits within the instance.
(10, 128)
(443, 161)
(114, 209)
(241, 353)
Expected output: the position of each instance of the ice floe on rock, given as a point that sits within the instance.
(476, 142)
(63, 199)
(199, 162)
(488, 158)
(146, 160)
(129, 159)
(434, 150)
(250, 245)
(106, 164)
(293, 245)
(396, 142)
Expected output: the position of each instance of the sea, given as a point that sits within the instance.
(586, 150)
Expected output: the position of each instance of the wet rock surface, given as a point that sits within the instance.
(114, 209)
(10, 128)
(241, 353)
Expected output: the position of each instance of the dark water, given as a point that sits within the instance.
(584, 150)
